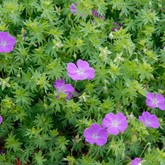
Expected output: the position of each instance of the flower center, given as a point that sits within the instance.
(155, 102)
(95, 136)
(80, 72)
(115, 123)
(148, 123)
(62, 90)
(3, 43)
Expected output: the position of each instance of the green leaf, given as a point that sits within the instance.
(12, 143)
(39, 158)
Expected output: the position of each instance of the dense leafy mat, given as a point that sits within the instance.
(82, 82)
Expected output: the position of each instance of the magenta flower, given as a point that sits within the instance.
(154, 101)
(96, 134)
(61, 87)
(116, 26)
(115, 123)
(7, 42)
(96, 14)
(136, 161)
(73, 8)
(1, 119)
(149, 120)
(80, 72)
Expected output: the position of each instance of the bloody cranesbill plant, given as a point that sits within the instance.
(63, 88)
(149, 120)
(81, 71)
(113, 63)
(7, 42)
(154, 101)
(115, 123)
(96, 134)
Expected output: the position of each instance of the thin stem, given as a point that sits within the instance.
(144, 149)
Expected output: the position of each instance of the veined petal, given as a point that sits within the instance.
(75, 76)
(90, 73)
(59, 83)
(161, 106)
(101, 141)
(113, 130)
(72, 68)
(160, 101)
(82, 65)
(150, 96)
(69, 88)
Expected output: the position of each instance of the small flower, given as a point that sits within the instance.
(80, 72)
(115, 123)
(96, 14)
(1, 119)
(7, 42)
(154, 101)
(96, 134)
(73, 8)
(116, 26)
(149, 120)
(136, 161)
(63, 88)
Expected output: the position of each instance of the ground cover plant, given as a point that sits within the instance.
(82, 82)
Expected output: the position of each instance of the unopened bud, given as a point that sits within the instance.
(110, 35)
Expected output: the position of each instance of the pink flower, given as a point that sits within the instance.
(96, 134)
(61, 87)
(73, 8)
(115, 123)
(149, 120)
(96, 14)
(136, 161)
(80, 72)
(116, 26)
(154, 101)
(7, 42)
(1, 119)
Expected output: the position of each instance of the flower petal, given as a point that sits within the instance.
(160, 101)
(82, 65)
(1, 119)
(150, 96)
(108, 119)
(90, 73)
(59, 83)
(113, 130)
(68, 88)
(72, 68)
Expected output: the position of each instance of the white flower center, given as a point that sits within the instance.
(80, 72)
(148, 123)
(3, 43)
(95, 136)
(115, 123)
(155, 102)
(62, 89)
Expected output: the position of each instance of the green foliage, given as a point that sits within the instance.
(38, 127)
(12, 144)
